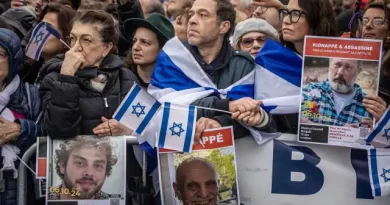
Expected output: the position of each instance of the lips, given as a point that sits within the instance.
(287, 30)
(254, 53)
(202, 202)
(86, 184)
(369, 35)
(137, 56)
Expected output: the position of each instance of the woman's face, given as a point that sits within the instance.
(252, 42)
(53, 46)
(3, 65)
(89, 42)
(145, 47)
(294, 25)
(374, 25)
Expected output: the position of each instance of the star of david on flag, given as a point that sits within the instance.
(137, 109)
(39, 37)
(177, 127)
(379, 137)
(379, 167)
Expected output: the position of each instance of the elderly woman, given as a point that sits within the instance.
(250, 35)
(375, 25)
(19, 108)
(82, 91)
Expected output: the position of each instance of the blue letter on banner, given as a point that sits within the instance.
(283, 166)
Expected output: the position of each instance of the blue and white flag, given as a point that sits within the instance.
(137, 109)
(278, 78)
(379, 137)
(379, 165)
(177, 127)
(38, 39)
(179, 79)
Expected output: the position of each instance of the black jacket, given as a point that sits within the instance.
(73, 107)
(229, 67)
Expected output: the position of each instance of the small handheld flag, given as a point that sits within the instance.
(177, 127)
(38, 39)
(137, 109)
(379, 166)
(380, 136)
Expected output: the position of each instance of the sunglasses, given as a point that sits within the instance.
(248, 42)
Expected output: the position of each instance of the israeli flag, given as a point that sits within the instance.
(278, 78)
(179, 79)
(38, 39)
(177, 127)
(380, 136)
(137, 109)
(379, 165)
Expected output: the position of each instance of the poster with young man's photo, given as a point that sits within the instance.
(87, 170)
(339, 83)
(207, 175)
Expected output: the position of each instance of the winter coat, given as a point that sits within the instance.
(72, 107)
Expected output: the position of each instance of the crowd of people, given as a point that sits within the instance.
(114, 44)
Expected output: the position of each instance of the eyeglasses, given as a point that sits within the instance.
(376, 22)
(3, 55)
(263, 9)
(294, 15)
(248, 42)
(84, 41)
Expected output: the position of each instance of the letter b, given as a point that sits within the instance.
(284, 166)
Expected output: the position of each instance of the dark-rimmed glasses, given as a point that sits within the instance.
(248, 42)
(294, 14)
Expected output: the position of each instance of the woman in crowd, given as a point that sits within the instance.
(250, 35)
(375, 25)
(59, 17)
(82, 91)
(148, 37)
(306, 17)
(19, 109)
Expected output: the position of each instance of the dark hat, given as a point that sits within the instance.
(155, 22)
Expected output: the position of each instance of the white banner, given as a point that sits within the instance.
(278, 174)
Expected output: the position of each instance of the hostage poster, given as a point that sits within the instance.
(207, 175)
(86, 170)
(338, 74)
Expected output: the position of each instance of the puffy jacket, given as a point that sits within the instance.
(20, 19)
(26, 101)
(73, 107)
(229, 67)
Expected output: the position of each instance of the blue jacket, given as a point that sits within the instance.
(26, 101)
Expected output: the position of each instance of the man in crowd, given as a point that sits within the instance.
(211, 22)
(83, 164)
(196, 182)
(337, 100)
(269, 11)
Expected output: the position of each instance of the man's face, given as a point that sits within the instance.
(199, 186)
(85, 170)
(203, 26)
(342, 74)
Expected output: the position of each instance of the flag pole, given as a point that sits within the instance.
(63, 42)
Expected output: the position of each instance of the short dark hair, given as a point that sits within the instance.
(226, 12)
(109, 30)
(65, 16)
(66, 147)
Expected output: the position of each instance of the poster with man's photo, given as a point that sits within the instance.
(207, 175)
(86, 170)
(339, 87)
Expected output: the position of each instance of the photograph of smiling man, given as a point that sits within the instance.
(88, 169)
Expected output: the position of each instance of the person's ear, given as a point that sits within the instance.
(107, 49)
(224, 27)
(177, 190)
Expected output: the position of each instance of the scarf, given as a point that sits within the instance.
(99, 82)
(8, 151)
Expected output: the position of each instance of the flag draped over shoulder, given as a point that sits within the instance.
(278, 78)
(179, 79)
(379, 167)
(39, 37)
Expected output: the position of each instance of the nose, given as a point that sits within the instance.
(136, 46)
(286, 20)
(192, 20)
(203, 192)
(88, 172)
(256, 45)
(340, 71)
